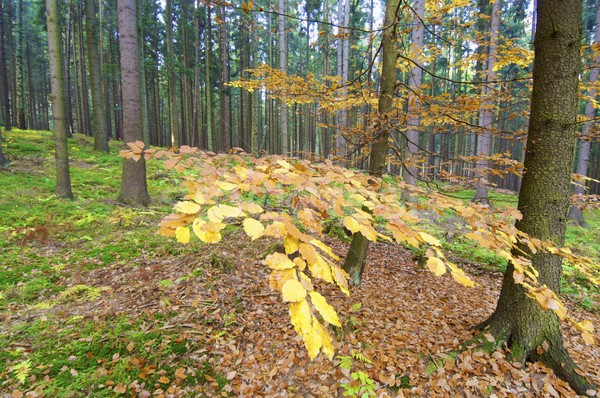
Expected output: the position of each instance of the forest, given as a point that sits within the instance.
(361, 198)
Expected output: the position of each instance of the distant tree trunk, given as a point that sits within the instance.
(99, 122)
(575, 213)
(4, 76)
(357, 254)
(174, 125)
(3, 160)
(211, 134)
(284, 135)
(224, 90)
(133, 181)
(484, 138)
(196, 93)
(85, 99)
(20, 71)
(256, 106)
(410, 170)
(70, 127)
(59, 114)
(532, 333)
(343, 57)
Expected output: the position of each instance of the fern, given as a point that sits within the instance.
(345, 362)
(22, 370)
(360, 357)
(82, 291)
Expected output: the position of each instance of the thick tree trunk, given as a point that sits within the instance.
(585, 144)
(530, 332)
(133, 181)
(99, 122)
(59, 114)
(357, 254)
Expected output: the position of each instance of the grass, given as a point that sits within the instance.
(47, 243)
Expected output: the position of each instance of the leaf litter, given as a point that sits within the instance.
(408, 323)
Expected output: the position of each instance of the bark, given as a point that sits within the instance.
(99, 122)
(343, 57)
(133, 180)
(484, 138)
(414, 104)
(585, 144)
(545, 191)
(85, 100)
(357, 254)
(211, 134)
(59, 114)
(224, 90)
(4, 97)
(284, 135)
(174, 127)
(3, 161)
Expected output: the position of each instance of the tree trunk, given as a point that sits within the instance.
(59, 114)
(357, 254)
(99, 122)
(211, 134)
(4, 76)
(532, 333)
(484, 138)
(414, 103)
(174, 126)
(133, 181)
(224, 90)
(284, 135)
(575, 213)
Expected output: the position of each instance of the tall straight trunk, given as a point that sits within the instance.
(283, 61)
(99, 122)
(59, 114)
(85, 98)
(133, 180)
(3, 161)
(20, 70)
(409, 171)
(531, 333)
(4, 96)
(211, 134)
(343, 64)
(68, 71)
(14, 80)
(174, 125)
(225, 128)
(357, 254)
(142, 76)
(484, 138)
(256, 105)
(33, 120)
(585, 144)
(76, 80)
(196, 93)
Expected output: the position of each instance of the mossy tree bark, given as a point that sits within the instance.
(357, 254)
(58, 99)
(530, 332)
(133, 180)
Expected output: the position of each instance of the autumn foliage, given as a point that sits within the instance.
(291, 200)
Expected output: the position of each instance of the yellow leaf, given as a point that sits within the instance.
(305, 280)
(182, 234)
(252, 208)
(293, 291)
(300, 316)
(300, 263)
(585, 326)
(429, 239)
(164, 380)
(214, 214)
(187, 207)
(276, 230)
(326, 310)
(368, 232)
(588, 338)
(463, 279)
(226, 186)
(254, 229)
(317, 243)
(291, 244)
(436, 266)
(278, 261)
(197, 227)
(312, 342)
(351, 224)
(230, 211)
(278, 277)
(341, 278)
(326, 345)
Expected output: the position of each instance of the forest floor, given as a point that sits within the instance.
(94, 303)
